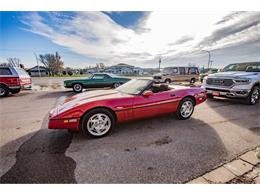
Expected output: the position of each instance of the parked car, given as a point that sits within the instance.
(96, 80)
(239, 80)
(177, 74)
(96, 112)
(12, 80)
(203, 75)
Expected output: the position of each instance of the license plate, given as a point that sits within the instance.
(215, 93)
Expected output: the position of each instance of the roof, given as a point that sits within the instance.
(36, 67)
(122, 65)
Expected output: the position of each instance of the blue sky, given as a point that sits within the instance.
(138, 38)
(17, 41)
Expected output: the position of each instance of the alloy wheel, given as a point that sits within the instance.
(254, 95)
(98, 124)
(186, 109)
(116, 85)
(2, 91)
(77, 87)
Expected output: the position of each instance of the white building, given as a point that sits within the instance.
(124, 69)
(38, 71)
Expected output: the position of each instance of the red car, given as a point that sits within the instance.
(95, 113)
(12, 80)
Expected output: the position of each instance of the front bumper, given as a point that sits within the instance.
(71, 124)
(230, 93)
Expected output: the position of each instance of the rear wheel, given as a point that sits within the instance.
(98, 122)
(168, 81)
(4, 91)
(185, 108)
(14, 91)
(115, 85)
(253, 96)
(77, 88)
(193, 80)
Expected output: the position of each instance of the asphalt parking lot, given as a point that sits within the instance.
(158, 150)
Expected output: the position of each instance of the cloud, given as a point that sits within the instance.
(175, 37)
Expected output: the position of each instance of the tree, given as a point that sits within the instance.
(53, 62)
(14, 62)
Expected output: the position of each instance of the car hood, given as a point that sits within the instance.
(235, 74)
(87, 97)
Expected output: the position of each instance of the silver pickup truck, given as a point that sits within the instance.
(241, 80)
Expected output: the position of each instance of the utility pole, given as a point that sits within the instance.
(211, 61)
(39, 72)
(209, 57)
(160, 60)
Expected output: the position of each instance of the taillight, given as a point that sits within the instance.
(14, 81)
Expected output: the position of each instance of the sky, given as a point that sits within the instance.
(137, 38)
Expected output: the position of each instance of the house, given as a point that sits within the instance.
(124, 69)
(37, 71)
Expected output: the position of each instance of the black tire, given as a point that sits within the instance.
(88, 115)
(168, 81)
(77, 88)
(178, 112)
(192, 81)
(14, 91)
(249, 99)
(115, 85)
(4, 91)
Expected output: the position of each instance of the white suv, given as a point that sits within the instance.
(241, 80)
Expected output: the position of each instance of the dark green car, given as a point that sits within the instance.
(96, 80)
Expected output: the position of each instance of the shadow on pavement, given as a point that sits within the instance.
(161, 150)
(41, 159)
(240, 112)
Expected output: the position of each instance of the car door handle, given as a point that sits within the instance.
(172, 95)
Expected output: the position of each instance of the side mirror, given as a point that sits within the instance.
(147, 93)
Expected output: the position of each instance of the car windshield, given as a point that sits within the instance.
(134, 87)
(247, 67)
(112, 75)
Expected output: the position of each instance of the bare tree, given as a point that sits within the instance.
(53, 62)
(14, 62)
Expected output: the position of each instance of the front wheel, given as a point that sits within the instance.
(253, 96)
(185, 109)
(98, 122)
(4, 91)
(77, 88)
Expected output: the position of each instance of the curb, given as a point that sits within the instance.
(245, 168)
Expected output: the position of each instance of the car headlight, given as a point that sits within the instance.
(242, 81)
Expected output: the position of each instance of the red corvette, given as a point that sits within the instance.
(95, 113)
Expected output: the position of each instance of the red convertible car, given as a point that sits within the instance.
(96, 112)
